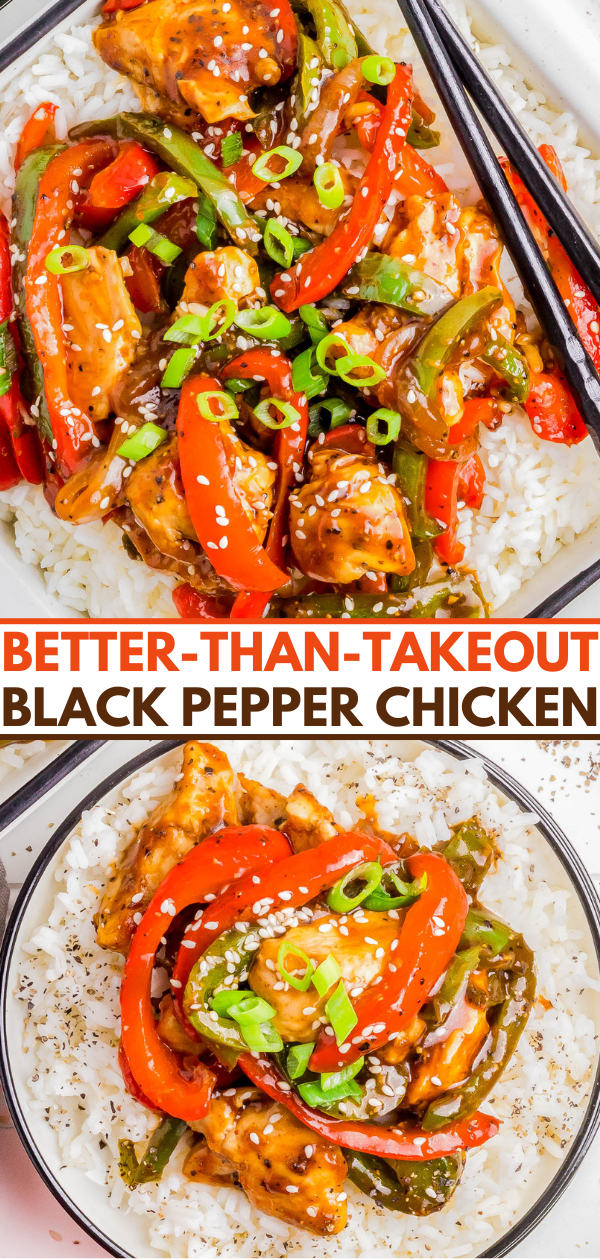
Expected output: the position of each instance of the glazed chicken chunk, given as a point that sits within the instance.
(103, 331)
(348, 521)
(260, 805)
(195, 54)
(201, 802)
(220, 273)
(155, 494)
(290, 1172)
(308, 822)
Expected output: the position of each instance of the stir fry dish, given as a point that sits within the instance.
(252, 326)
(339, 1004)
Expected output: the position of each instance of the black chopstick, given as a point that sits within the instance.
(41, 783)
(560, 212)
(529, 262)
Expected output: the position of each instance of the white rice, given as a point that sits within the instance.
(72, 988)
(14, 756)
(539, 495)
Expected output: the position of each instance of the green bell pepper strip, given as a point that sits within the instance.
(177, 149)
(200, 989)
(423, 553)
(335, 38)
(420, 136)
(409, 1186)
(410, 467)
(443, 338)
(470, 852)
(453, 986)
(511, 365)
(482, 928)
(459, 1103)
(380, 278)
(158, 1152)
(24, 202)
(160, 193)
(303, 87)
(460, 599)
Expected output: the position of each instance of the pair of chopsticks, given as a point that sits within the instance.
(47, 779)
(453, 67)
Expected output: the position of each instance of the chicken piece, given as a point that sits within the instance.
(171, 1031)
(397, 1050)
(480, 265)
(202, 1164)
(155, 494)
(198, 572)
(308, 823)
(259, 804)
(296, 1012)
(366, 331)
(298, 200)
(96, 301)
(89, 494)
(430, 235)
(359, 525)
(173, 47)
(446, 1062)
(289, 1155)
(221, 273)
(201, 802)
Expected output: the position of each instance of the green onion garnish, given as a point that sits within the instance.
(278, 243)
(369, 872)
(326, 344)
(341, 1014)
(206, 220)
(264, 321)
(238, 384)
(304, 378)
(144, 440)
(331, 1080)
(380, 900)
(146, 238)
(392, 421)
(221, 1002)
(248, 1009)
(329, 186)
(353, 362)
(263, 413)
(178, 367)
(326, 974)
(213, 324)
(64, 259)
(339, 412)
(312, 1093)
(284, 952)
(186, 331)
(297, 1060)
(231, 148)
(263, 170)
(262, 1037)
(315, 322)
(211, 397)
(379, 70)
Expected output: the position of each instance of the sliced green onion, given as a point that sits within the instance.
(263, 171)
(339, 412)
(329, 186)
(392, 421)
(211, 325)
(344, 367)
(206, 220)
(262, 1037)
(263, 413)
(312, 1093)
(380, 900)
(300, 246)
(64, 259)
(265, 321)
(278, 243)
(186, 331)
(284, 951)
(231, 148)
(221, 1002)
(331, 1080)
(341, 1014)
(379, 70)
(238, 384)
(249, 1009)
(226, 404)
(178, 367)
(325, 345)
(326, 974)
(144, 440)
(145, 237)
(297, 1060)
(369, 872)
(304, 378)
(315, 322)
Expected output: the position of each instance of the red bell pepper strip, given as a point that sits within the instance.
(471, 481)
(304, 875)
(408, 1142)
(351, 438)
(112, 6)
(53, 215)
(552, 409)
(319, 271)
(34, 131)
(288, 453)
(124, 178)
(220, 859)
(424, 951)
(441, 502)
(143, 285)
(129, 1081)
(9, 472)
(14, 431)
(190, 603)
(235, 551)
(476, 411)
(415, 175)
